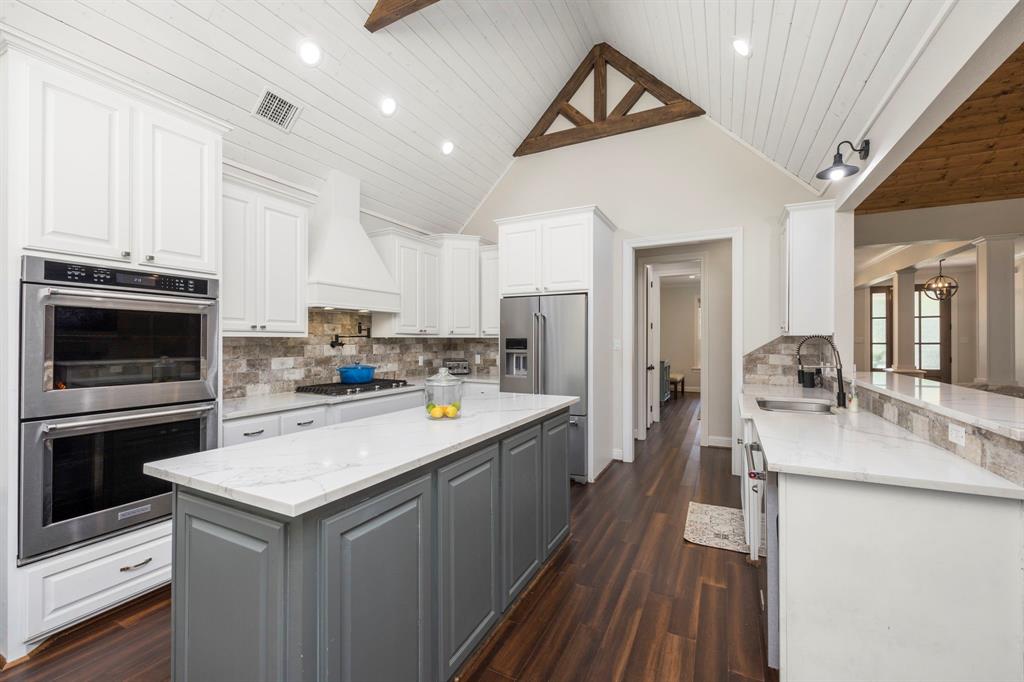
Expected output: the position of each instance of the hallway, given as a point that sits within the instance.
(627, 598)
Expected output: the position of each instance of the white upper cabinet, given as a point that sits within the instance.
(178, 170)
(548, 253)
(415, 263)
(808, 269)
(520, 265)
(107, 175)
(263, 291)
(490, 293)
(76, 139)
(566, 253)
(460, 285)
(238, 290)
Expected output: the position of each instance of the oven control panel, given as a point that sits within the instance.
(77, 273)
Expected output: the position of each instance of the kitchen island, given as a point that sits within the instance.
(378, 549)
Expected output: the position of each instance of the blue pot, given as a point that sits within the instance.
(356, 374)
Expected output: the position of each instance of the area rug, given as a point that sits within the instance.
(719, 527)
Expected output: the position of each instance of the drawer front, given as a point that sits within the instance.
(253, 428)
(371, 407)
(71, 588)
(303, 420)
(471, 389)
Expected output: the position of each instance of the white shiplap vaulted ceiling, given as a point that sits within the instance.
(481, 72)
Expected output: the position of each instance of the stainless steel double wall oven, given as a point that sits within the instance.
(118, 368)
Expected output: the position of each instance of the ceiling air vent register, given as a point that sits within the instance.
(276, 110)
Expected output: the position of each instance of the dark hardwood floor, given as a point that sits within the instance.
(625, 599)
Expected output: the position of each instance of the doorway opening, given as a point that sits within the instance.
(717, 257)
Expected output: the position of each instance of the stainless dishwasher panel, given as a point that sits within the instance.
(578, 448)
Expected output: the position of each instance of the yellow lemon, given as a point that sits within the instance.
(451, 411)
(436, 412)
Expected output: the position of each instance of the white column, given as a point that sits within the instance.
(996, 364)
(903, 320)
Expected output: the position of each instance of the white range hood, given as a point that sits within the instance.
(345, 270)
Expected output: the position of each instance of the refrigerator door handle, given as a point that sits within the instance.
(541, 369)
(535, 370)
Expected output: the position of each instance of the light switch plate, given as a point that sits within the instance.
(616, 344)
(958, 435)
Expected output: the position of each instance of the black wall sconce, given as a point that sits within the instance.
(839, 169)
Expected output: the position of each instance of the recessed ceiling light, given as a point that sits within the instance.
(327, 307)
(447, 147)
(693, 276)
(364, 310)
(309, 52)
(388, 106)
(741, 46)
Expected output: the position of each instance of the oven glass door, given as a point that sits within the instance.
(82, 477)
(87, 350)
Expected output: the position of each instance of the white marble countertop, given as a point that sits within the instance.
(237, 408)
(1002, 414)
(859, 446)
(296, 473)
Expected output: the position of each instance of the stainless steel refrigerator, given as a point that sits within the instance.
(543, 349)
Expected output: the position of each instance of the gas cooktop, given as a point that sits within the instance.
(375, 386)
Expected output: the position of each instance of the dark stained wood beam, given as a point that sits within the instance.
(387, 12)
(611, 126)
(675, 106)
(628, 100)
(575, 116)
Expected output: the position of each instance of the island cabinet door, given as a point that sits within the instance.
(556, 482)
(521, 516)
(468, 541)
(376, 588)
(229, 587)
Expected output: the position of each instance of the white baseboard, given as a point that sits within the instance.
(692, 389)
(720, 441)
(617, 453)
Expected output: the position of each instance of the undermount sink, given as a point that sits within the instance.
(802, 406)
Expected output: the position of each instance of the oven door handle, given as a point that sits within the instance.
(50, 428)
(127, 297)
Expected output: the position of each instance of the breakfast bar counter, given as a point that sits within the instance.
(382, 548)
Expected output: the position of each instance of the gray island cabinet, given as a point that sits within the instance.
(398, 581)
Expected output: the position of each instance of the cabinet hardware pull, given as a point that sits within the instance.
(305, 423)
(254, 326)
(263, 326)
(125, 569)
(250, 434)
(150, 258)
(126, 254)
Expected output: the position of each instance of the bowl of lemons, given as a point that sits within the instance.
(443, 395)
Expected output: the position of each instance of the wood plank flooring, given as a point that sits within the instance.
(625, 599)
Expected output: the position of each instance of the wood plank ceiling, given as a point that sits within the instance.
(480, 72)
(976, 155)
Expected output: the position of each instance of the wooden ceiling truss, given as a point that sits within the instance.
(674, 107)
(387, 12)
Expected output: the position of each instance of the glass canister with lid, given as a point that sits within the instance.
(443, 395)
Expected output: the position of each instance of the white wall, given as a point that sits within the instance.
(679, 345)
(1018, 288)
(961, 222)
(679, 177)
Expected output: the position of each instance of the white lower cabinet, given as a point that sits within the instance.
(357, 409)
(303, 420)
(479, 389)
(263, 292)
(79, 584)
(250, 429)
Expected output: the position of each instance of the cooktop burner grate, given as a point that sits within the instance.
(375, 386)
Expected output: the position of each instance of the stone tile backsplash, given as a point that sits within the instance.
(260, 366)
(775, 362)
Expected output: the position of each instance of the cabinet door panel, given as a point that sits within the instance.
(376, 588)
(521, 511)
(520, 263)
(282, 277)
(566, 243)
(79, 156)
(462, 289)
(230, 566)
(490, 294)
(178, 175)
(430, 290)
(556, 482)
(238, 284)
(408, 269)
(469, 593)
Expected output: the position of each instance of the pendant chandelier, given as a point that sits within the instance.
(941, 287)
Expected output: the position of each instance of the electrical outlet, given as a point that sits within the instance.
(616, 344)
(476, 359)
(958, 434)
(421, 360)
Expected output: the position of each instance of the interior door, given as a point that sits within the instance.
(651, 368)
